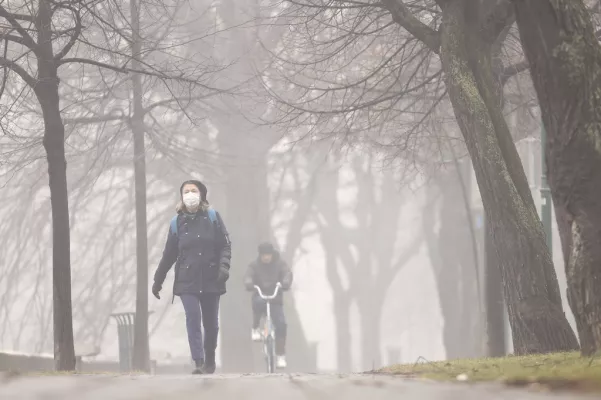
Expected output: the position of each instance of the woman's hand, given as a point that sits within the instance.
(156, 289)
(224, 274)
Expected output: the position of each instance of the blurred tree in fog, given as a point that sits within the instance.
(246, 144)
(361, 242)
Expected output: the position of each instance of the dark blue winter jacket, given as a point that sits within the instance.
(198, 250)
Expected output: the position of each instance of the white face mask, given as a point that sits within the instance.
(191, 199)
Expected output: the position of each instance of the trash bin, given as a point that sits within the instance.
(125, 334)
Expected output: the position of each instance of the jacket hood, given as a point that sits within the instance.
(275, 257)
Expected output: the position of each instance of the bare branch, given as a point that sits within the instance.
(94, 120)
(512, 70)
(14, 39)
(22, 17)
(402, 16)
(74, 36)
(30, 80)
(27, 39)
(128, 70)
(177, 100)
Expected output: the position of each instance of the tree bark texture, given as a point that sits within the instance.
(46, 91)
(495, 306)
(565, 63)
(529, 280)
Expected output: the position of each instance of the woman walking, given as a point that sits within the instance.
(199, 245)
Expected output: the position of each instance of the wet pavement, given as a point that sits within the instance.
(255, 387)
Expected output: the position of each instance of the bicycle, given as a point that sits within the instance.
(268, 331)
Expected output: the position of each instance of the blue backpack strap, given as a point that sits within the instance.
(212, 214)
(173, 225)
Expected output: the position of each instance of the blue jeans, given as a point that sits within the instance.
(259, 308)
(202, 307)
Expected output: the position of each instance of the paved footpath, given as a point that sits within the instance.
(258, 387)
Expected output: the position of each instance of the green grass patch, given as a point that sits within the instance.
(556, 371)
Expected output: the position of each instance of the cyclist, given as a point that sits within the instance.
(266, 272)
(198, 244)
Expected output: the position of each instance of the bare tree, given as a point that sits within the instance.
(459, 38)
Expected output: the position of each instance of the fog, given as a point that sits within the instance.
(377, 282)
(377, 210)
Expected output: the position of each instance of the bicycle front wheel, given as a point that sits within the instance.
(270, 354)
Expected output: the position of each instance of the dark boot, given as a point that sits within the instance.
(199, 368)
(209, 303)
(209, 365)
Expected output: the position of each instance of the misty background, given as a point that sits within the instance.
(388, 251)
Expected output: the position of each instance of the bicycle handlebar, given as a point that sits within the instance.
(273, 296)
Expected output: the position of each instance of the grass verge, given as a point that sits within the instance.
(567, 371)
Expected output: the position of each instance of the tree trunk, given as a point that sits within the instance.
(54, 133)
(248, 193)
(140, 359)
(342, 311)
(529, 280)
(565, 62)
(342, 307)
(248, 225)
(329, 234)
(493, 291)
(493, 281)
(249, 222)
(54, 143)
(371, 332)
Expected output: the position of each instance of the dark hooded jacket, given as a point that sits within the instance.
(266, 276)
(198, 250)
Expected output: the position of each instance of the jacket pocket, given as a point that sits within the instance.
(211, 272)
(186, 273)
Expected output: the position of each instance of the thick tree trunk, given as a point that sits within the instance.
(140, 359)
(54, 133)
(54, 143)
(530, 283)
(565, 62)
